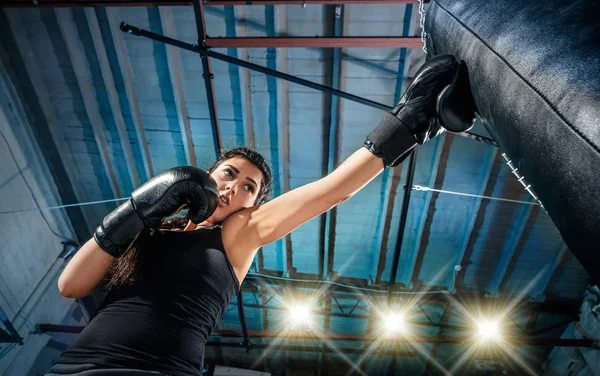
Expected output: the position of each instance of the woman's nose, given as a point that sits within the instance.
(231, 187)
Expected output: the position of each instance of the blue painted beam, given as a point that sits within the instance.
(403, 218)
(208, 78)
(407, 276)
(113, 97)
(244, 75)
(386, 180)
(510, 246)
(329, 218)
(118, 56)
(80, 66)
(14, 335)
(242, 103)
(238, 89)
(27, 80)
(280, 245)
(176, 80)
(333, 154)
(283, 127)
(272, 72)
(113, 17)
(484, 176)
(538, 291)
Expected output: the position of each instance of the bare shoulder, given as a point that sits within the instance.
(239, 240)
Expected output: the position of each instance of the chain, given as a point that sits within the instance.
(521, 179)
(422, 23)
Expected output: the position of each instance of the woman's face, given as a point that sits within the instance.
(239, 182)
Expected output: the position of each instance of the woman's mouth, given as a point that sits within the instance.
(224, 199)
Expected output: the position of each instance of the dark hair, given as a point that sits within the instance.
(124, 269)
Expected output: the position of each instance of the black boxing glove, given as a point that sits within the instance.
(455, 107)
(413, 121)
(156, 199)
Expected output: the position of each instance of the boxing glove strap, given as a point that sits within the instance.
(119, 229)
(391, 141)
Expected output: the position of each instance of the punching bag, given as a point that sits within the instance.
(534, 71)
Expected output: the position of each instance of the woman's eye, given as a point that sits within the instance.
(249, 188)
(228, 173)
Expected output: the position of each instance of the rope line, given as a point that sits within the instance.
(65, 206)
(426, 189)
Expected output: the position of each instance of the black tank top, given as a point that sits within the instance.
(163, 320)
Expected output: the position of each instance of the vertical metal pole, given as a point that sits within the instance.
(329, 217)
(403, 215)
(388, 193)
(208, 77)
(243, 318)
(211, 369)
(12, 332)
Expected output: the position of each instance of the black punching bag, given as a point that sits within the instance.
(534, 70)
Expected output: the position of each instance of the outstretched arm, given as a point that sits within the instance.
(283, 214)
(412, 121)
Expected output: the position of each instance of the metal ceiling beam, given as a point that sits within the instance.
(332, 148)
(403, 216)
(524, 340)
(332, 154)
(514, 242)
(387, 178)
(328, 314)
(84, 78)
(326, 326)
(315, 42)
(113, 97)
(211, 369)
(13, 335)
(80, 65)
(487, 164)
(539, 290)
(29, 83)
(548, 328)
(208, 78)
(437, 173)
(113, 16)
(176, 75)
(242, 315)
(313, 85)
(392, 367)
(326, 349)
(283, 111)
(431, 359)
(306, 2)
(279, 124)
(322, 286)
(7, 338)
(245, 80)
(387, 206)
(479, 222)
(194, 48)
(148, 3)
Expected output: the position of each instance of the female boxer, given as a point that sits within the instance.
(166, 300)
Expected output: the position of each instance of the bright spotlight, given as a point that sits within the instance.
(300, 315)
(489, 330)
(394, 323)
